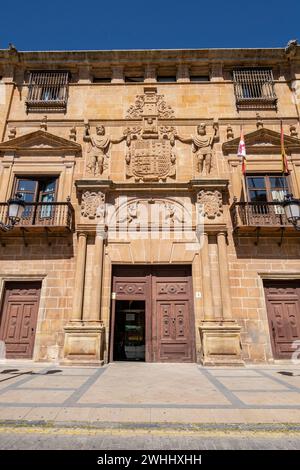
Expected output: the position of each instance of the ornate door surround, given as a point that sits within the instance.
(167, 292)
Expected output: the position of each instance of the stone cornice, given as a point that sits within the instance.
(119, 57)
(192, 185)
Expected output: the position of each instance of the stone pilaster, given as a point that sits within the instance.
(79, 277)
(206, 280)
(84, 339)
(150, 74)
(117, 74)
(224, 276)
(183, 74)
(220, 337)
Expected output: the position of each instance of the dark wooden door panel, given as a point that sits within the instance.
(173, 336)
(18, 318)
(283, 306)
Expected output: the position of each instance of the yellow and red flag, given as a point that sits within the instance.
(284, 162)
(242, 151)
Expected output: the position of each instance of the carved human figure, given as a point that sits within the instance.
(98, 149)
(202, 146)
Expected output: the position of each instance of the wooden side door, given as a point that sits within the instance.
(19, 318)
(283, 307)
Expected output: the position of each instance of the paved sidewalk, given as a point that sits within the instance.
(149, 394)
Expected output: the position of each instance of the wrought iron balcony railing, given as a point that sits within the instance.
(56, 216)
(258, 214)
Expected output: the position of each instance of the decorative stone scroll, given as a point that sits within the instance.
(210, 204)
(93, 205)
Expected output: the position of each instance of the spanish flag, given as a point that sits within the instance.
(284, 162)
(242, 151)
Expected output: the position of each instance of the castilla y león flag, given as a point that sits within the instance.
(242, 152)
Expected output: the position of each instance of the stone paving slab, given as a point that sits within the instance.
(150, 393)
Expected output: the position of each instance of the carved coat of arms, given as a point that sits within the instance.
(150, 148)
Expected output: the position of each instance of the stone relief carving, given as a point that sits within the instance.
(98, 149)
(202, 146)
(174, 212)
(150, 154)
(93, 205)
(151, 104)
(210, 204)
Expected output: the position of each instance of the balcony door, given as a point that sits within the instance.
(38, 193)
(263, 193)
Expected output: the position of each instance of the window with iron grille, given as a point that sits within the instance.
(47, 91)
(254, 88)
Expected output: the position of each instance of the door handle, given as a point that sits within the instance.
(273, 329)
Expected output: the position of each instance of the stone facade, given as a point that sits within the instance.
(129, 146)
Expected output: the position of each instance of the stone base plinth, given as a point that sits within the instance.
(221, 345)
(83, 344)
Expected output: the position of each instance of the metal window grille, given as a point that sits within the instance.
(47, 91)
(254, 88)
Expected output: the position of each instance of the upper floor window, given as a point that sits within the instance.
(254, 88)
(199, 78)
(47, 91)
(166, 78)
(137, 79)
(37, 193)
(267, 188)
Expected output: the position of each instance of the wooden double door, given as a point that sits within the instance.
(18, 318)
(164, 295)
(283, 307)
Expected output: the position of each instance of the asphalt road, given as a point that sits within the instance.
(85, 439)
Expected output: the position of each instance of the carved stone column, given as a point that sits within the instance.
(224, 275)
(95, 309)
(79, 277)
(220, 337)
(206, 280)
(84, 338)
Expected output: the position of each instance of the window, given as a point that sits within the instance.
(254, 88)
(166, 78)
(199, 78)
(37, 192)
(267, 188)
(47, 91)
(101, 80)
(134, 79)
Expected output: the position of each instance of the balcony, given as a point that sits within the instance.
(258, 218)
(41, 217)
(254, 89)
(47, 91)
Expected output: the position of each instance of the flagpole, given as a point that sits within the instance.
(243, 176)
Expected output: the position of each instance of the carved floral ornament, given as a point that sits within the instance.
(93, 205)
(210, 203)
